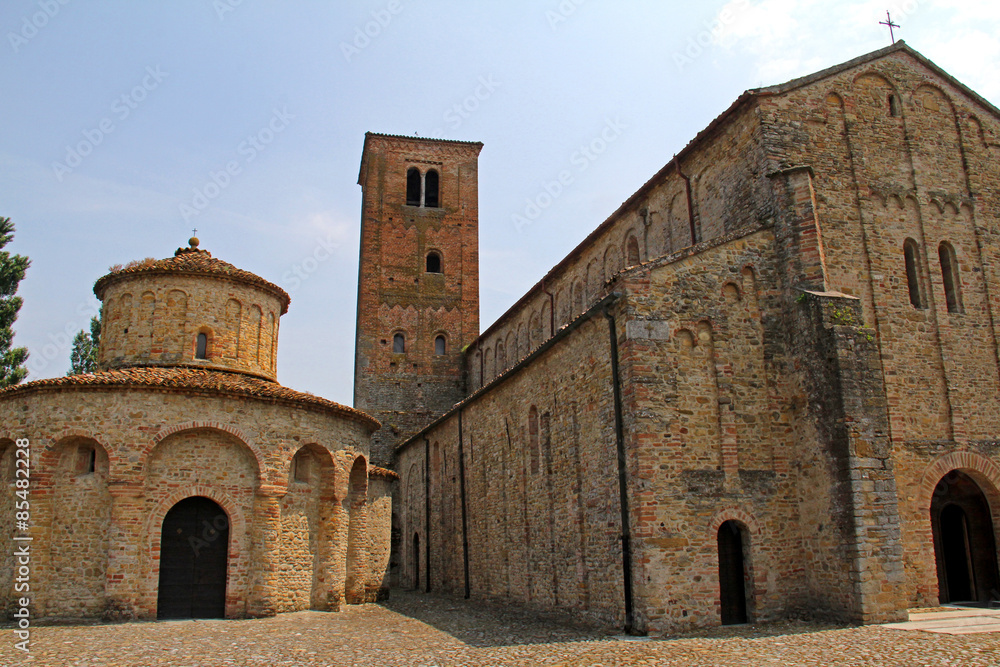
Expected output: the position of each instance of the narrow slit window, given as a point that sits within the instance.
(201, 349)
(433, 262)
(632, 251)
(439, 345)
(431, 189)
(912, 272)
(398, 343)
(86, 460)
(533, 437)
(413, 186)
(949, 273)
(894, 106)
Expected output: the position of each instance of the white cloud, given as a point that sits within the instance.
(790, 38)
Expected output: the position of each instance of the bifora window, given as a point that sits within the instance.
(423, 189)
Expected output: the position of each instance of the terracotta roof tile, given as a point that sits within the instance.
(183, 379)
(191, 261)
(375, 471)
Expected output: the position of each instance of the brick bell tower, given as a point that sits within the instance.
(418, 281)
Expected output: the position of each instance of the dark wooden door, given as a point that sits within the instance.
(731, 578)
(194, 554)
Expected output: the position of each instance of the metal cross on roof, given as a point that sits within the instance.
(888, 22)
(194, 232)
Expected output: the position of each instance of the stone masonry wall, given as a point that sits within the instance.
(380, 506)
(537, 461)
(156, 319)
(709, 434)
(902, 155)
(96, 534)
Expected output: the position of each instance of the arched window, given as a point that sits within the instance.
(433, 262)
(911, 255)
(949, 272)
(398, 343)
(431, 189)
(439, 345)
(201, 349)
(413, 186)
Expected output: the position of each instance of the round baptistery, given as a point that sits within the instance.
(189, 310)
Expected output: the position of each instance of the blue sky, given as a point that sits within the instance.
(127, 124)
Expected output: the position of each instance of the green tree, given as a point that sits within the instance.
(12, 268)
(83, 358)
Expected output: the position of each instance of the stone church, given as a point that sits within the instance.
(765, 386)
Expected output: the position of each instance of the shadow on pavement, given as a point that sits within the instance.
(480, 623)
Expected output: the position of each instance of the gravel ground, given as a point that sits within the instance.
(414, 630)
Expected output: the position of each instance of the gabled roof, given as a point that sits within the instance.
(867, 58)
(748, 97)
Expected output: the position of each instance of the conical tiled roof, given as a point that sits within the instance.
(195, 262)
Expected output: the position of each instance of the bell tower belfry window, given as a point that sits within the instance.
(423, 188)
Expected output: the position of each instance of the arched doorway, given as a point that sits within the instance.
(964, 542)
(732, 574)
(194, 554)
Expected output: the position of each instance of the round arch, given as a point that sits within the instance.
(258, 455)
(194, 560)
(53, 451)
(237, 569)
(985, 473)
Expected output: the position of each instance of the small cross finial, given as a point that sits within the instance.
(194, 232)
(888, 23)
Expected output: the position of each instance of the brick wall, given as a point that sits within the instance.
(97, 534)
(543, 520)
(156, 319)
(397, 295)
(923, 173)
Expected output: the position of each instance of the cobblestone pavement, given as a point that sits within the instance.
(414, 630)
